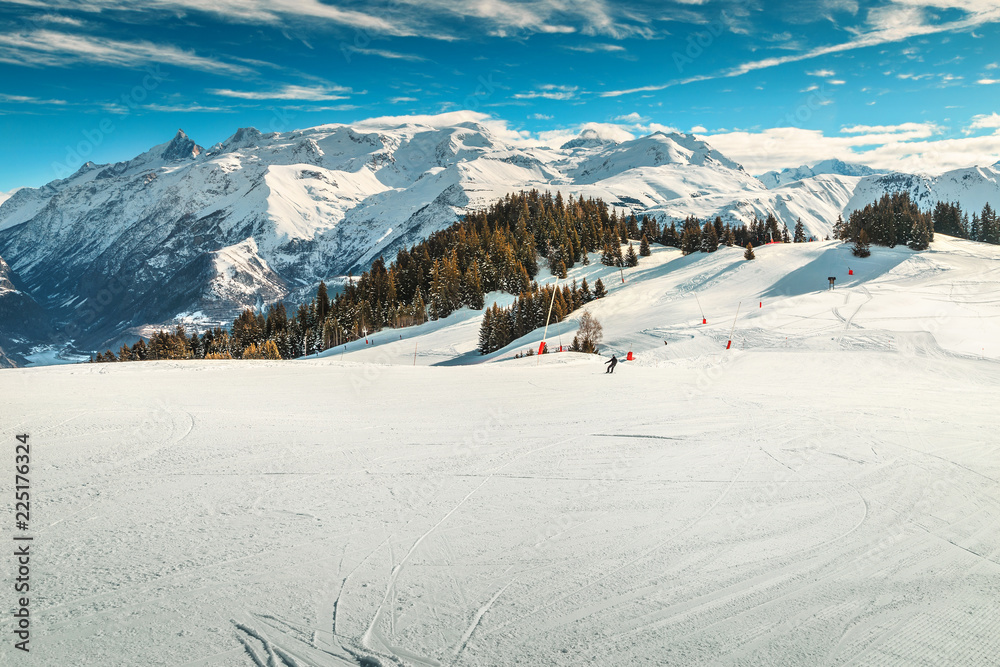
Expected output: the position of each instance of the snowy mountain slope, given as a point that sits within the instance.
(774, 179)
(22, 320)
(324, 201)
(943, 301)
(823, 491)
(972, 188)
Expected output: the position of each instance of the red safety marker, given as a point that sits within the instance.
(629, 356)
(541, 347)
(850, 272)
(700, 310)
(730, 342)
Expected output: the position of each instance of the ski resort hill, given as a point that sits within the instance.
(941, 301)
(823, 492)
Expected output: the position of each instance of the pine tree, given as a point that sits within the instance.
(920, 237)
(599, 291)
(709, 241)
(839, 230)
(860, 248)
(690, 240)
(749, 252)
(800, 231)
(486, 331)
(644, 250)
(631, 259)
(608, 256)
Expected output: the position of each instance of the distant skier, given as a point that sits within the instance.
(611, 364)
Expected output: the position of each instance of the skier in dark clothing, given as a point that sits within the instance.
(611, 364)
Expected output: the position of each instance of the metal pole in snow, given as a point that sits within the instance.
(414, 353)
(733, 330)
(546, 330)
(700, 310)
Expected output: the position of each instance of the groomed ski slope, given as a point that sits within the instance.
(827, 492)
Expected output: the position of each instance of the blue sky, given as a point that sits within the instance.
(907, 84)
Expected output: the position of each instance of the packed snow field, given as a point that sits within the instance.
(826, 492)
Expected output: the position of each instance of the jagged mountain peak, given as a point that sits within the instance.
(773, 179)
(589, 138)
(244, 137)
(181, 147)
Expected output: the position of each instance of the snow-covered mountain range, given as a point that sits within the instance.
(185, 233)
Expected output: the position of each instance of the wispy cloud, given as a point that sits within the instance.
(400, 100)
(436, 19)
(25, 99)
(822, 73)
(289, 92)
(48, 48)
(194, 107)
(596, 48)
(549, 92)
(888, 27)
(391, 55)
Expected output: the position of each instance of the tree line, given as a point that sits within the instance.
(530, 310)
(497, 249)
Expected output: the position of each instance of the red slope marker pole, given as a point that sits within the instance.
(700, 310)
(541, 346)
(733, 330)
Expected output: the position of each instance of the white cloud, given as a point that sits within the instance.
(809, 89)
(987, 82)
(597, 48)
(57, 49)
(186, 108)
(698, 129)
(304, 93)
(24, 99)
(391, 55)
(400, 100)
(435, 19)
(836, 82)
(984, 122)
(907, 147)
(539, 116)
(822, 73)
(549, 91)
(629, 118)
(901, 131)
(892, 25)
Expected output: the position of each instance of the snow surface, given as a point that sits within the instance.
(826, 492)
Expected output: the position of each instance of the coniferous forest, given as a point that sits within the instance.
(501, 249)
